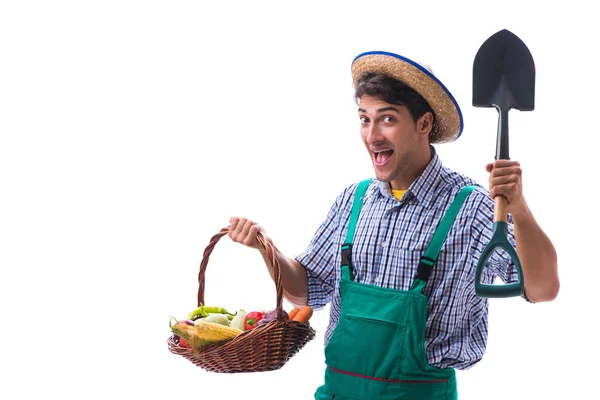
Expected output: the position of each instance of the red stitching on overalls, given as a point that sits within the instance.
(389, 380)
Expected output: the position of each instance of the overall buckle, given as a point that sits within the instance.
(424, 269)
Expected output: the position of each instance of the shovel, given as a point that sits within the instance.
(503, 78)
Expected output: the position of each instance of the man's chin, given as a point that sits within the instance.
(382, 177)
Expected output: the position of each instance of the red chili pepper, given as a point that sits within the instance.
(252, 318)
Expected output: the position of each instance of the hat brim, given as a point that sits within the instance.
(448, 116)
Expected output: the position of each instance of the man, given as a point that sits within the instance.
(395, 260)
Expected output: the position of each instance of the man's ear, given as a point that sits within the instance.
(425, 124)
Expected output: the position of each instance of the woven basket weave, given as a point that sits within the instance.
(267, 347)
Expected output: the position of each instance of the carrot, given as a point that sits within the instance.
(304, 314)
(293, 313)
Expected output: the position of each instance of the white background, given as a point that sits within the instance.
(131, 131)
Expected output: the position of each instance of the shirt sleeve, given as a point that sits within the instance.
(500, 263)
(319, 257)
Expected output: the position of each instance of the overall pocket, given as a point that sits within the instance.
(365, 345)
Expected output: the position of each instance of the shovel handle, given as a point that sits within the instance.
(498, 241)
(500, 209)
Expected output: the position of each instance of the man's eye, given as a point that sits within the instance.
(364, 120)
(388, 119)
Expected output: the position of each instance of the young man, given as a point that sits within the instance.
(399, 277)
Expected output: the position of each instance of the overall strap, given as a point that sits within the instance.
(439, 237)
(347, 246)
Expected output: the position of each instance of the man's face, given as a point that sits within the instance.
(396, 144)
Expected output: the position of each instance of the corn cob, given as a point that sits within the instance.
(213, 332)
(204, 333)
(182, 329)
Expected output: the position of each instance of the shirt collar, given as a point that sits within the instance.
(423, 188)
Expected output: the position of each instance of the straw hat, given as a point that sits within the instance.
(449, 120)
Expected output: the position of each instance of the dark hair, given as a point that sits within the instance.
(393, 91)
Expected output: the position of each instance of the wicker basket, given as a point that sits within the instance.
(265, 348)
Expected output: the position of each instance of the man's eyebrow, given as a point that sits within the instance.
(380, 110)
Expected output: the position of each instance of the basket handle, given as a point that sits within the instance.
(270, 255)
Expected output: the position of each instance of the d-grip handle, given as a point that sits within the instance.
(499, 240)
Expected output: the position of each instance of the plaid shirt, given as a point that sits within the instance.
(390, 238)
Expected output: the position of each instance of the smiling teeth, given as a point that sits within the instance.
(381, 151)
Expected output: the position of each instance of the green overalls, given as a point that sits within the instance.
(377, 350)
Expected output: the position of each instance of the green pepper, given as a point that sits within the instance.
(205, 310)
(197, 312)
(217, 310)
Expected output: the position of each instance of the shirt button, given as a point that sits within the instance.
(384, 244)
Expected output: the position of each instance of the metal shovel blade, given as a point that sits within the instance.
(504, 74)
(504, 78)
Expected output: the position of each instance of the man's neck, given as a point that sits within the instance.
(421, 162)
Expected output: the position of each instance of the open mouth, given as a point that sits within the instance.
(382, 156)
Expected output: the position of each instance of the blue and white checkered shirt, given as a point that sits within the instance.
(390, 238)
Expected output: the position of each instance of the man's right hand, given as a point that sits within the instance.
(244, 231)
(293, 275)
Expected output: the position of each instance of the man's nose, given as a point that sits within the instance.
(373, 133)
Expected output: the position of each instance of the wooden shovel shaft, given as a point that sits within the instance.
(500, 209)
